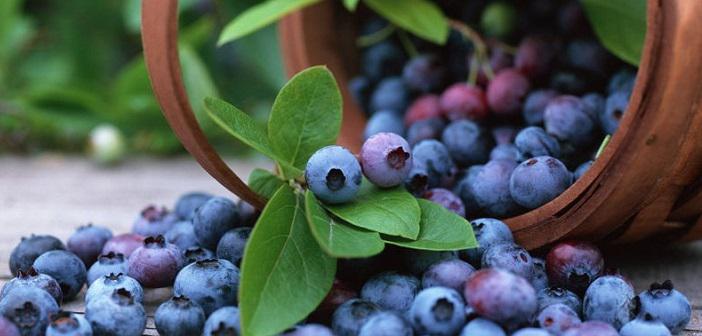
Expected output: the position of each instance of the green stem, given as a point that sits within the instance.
(604, 144)
(373, 38)
(407, 44)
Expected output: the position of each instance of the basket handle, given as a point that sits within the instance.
(159, 30)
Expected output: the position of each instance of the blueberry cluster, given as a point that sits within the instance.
(196, 249)
(505, 128)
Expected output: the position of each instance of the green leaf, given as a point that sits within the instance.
(420, 17)
(440, 230)
(389, 211)
(242, 127)
(260, 16)
(351, 4)
(284, 274)
(620, 26)
(337, 238)
(264, 182)
(306, 115)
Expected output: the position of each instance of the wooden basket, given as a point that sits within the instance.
(647, 183)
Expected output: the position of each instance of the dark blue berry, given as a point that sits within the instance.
(482, 327)
(424, 73)
(153, 221)
(467, 142)
(29, 309)
(540, 279)
(509, 257)
(664, 303)
(614, 111)
(622, 81)
(212, 219)
(386, 159)
(451, 273)
(609, 299)
(386, 324)
(557, 295)
(69, 324)
(360, 88)
(384, 121)
(29, 249)
(464, 191)
(223, 321)
(333, 174)
(506, 152)
(66, 268)
(535, 56)
(488, 232)
(425, 129)
(437, 311)
(391, 291)
(391, 94)
(594, 103)
(539, 180)
(534, 141)
(116, 314)
(382, 60)
(210, 283)
(106, 264)
(231, 246)
(179, 317)
(31, 278)
(87, 242)
(195, 253)
(432, 167)
(588, 55)
(582, 169)
(567, 119)
(106, 285)
(182, 234)
(351, 315)
(186, 204)
(557, 318)
(492, 191)
(248, 215)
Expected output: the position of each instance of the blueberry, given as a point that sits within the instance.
(179, 317)
(594, 103)
(467, 142)
(153, 221)
(350, 316)
(592, 328)
(333, 174)
(155, 264)
(210, 283)
(588, 55)
(492, 191)
(231, 246)
(8, 328)
(539, 180)
(31, 278)
(622, 81)
(557, 295)
(391, 291)
(107, 284)
(247, 213)
(557, 318)
(451, 273)
(646, 326)
(573, 265)
(504, 134)
(186, 204)
(425, 129)
(464, 191)
(498, 19)
(418, 261)
(488, 232)
(509, 257)
(534, 141)
(535, 56)
(425, 107)
(614, 111)
(567, 119)
(384, 121)
(223, 321)
(506, 152)
(386, 159)
(437, 311)
(386, 324)
(29, 309)
(432, 167)
(582, 169)
(382, 60)
(447, 199)
(531, 332)
(482, 327)
(391, 94)
(194, 254)
(309, 330)
(664, 303)
(539, 279)
(66, 268)
(106, 264)
(29, 249)
(424, 73)
(124, 244)
(69, 324)
(87, 242)
(507, 91)
(501, 296)
(182, 234)
(609, 299)
(461, 101)
(213, 219)
(360, 89)
(116, 314)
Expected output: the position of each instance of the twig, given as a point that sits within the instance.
(375, 37)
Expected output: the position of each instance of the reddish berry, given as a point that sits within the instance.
(574, 265)
(424, 107)
(506, 92)
(461, 101)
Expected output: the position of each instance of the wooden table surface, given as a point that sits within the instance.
(53, 194)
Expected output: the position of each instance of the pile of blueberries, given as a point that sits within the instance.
(541, 100)
(196, 249)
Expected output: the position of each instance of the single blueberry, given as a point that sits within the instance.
(210, 283)
(539, 180)
(66, 268)
(231, 246)
(534, 141)
(488, 232)
(386, 159)
(451, 273)
(124, 244)
(425, 129)
(535, 56)
(29, 309)
(351, 315)
(153, 221)
(179, 317)
(386, 324)
(106, 264)
(573, 265)
(384, 122)
(31, 278)
(425, 107)
(424, 73)
(492, 191)
(582, 169)
(87, 242)
(446, 199)
(510, 257)
(194, 254)
(391, 94)
(567, 119)
(382, 60)
(30, 248)
(247, 213)
(106, 285)
(155, 264)
(557, 318)
(646, 326)
(609, 299)
(432, 167)
(182, 234)
(437, 311)
(463, 190)
(116, 314)
(622, 81)
(594, 103)
(461, 101)
(506, 152)
(69, 324)
(212, 219)
(467, 142)
(588, 55)
(186, 204)
(613, 112)
(501, 296)
(666, 304)
(391, 291)
(507, 91)
(333, 174)
(223, 321)
(482, 327)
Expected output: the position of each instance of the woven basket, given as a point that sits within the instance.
(647, 183)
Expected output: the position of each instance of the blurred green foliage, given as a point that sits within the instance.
(67, 66)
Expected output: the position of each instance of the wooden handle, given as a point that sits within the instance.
(159, 28)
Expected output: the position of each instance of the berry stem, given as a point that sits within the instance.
(481, 49)
(375, 37)
(604, 144)
(407, 44)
